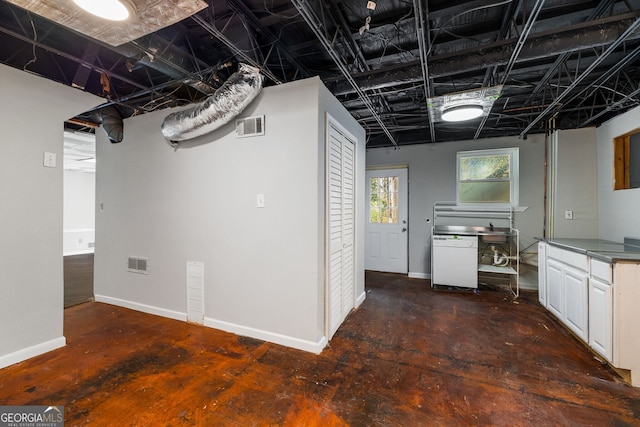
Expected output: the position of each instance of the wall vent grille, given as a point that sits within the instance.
(250, 126)
(137, 265)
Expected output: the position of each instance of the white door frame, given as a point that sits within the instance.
(391, 236)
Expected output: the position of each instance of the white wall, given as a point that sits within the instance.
(32, 114)
(575, 184)
(617, 210)
(79, 212)
(432, 178)
(264, 268)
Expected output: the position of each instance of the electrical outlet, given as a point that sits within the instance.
(568, 214)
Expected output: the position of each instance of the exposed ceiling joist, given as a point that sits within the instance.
(382, 74)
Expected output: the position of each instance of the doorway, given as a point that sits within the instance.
(78, 216)
(386, 238)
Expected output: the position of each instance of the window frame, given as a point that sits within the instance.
(514, 177)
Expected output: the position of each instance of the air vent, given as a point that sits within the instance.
(137, 265)
(250, 126)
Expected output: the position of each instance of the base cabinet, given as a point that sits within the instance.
(601, 317)
(576, 303)
(598, 301)
(555, 293)
(567, 296)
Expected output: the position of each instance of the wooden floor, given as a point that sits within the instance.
(78, 279)
(409, 356)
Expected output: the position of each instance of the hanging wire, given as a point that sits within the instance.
(33, 46)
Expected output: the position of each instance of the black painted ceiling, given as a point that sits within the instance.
(563, 64)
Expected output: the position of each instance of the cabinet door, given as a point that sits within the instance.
(576, 312)
(600, 318)
(555, 293)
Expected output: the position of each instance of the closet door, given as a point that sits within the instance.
(341, 225)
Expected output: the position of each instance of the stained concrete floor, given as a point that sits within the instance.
(409, 356)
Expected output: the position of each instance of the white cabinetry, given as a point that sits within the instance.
(567, 289)
(555, 288)
(598, 301)
(600, 317)
(576, 302)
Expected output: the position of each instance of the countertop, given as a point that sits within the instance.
(604, 250)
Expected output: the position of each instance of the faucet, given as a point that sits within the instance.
(490, 226)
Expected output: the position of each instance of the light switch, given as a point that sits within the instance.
(260, 200)
(568, 214)
(49, 160)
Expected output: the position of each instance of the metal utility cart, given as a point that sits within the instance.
(459, 232)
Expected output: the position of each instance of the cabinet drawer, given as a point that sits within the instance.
(600, 269)
(574, 259)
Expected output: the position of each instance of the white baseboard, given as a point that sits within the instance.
(419, 275)
(360, 299)
(287, 341)
(171, 314)
(313, 347)
(33, 351)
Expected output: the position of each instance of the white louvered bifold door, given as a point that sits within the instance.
(341, 159)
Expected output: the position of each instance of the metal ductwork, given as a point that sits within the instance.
(112, 123)
(218, 109)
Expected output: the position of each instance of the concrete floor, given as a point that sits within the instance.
(409, 356)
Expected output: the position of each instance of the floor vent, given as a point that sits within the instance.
(250, 126)
(137, 265)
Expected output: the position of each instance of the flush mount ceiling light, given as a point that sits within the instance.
(111, 10)
(461, 106)
(461, 113)
(147, 16)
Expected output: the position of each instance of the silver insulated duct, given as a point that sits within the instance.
(218, 109)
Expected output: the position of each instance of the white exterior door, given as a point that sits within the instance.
(341, 225)
(387, 221)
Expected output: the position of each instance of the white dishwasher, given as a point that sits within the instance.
(454, 260)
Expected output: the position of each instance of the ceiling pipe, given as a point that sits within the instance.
(273, 40)
(206, 25)
(632, 28)
(594, 34)
(421, 34)
(614, 106)
(359, 59)
(526, 30)
(312, 20)
(74, 58)
(628, 58)
(512, 9)
(565, 56)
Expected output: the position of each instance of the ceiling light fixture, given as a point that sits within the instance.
(461, 113)
(450, 107)
(112, 10)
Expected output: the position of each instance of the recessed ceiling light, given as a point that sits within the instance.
(461, 113)
(112, 10)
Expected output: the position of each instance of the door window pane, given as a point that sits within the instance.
(383, 202)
